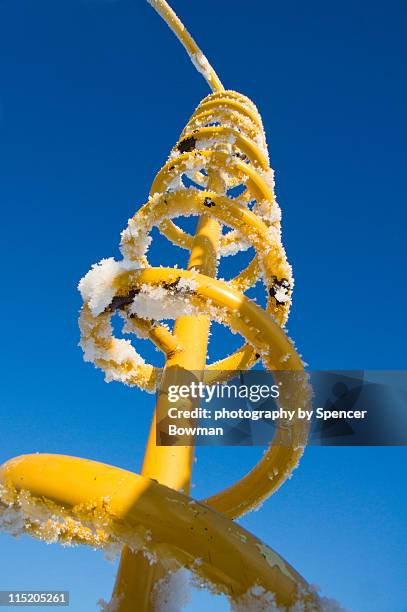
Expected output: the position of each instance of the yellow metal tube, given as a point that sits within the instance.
(194, 52)
(72, 500)
(170, 466)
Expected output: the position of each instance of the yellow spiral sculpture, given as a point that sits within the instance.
(162, 529)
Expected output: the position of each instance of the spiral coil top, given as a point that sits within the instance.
(224, 139)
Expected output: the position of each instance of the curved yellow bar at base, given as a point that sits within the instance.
(118, 506)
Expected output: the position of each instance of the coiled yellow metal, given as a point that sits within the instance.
(219, 158)
(214, 154)
(222, 151)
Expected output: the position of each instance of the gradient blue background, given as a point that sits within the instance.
(93, 96)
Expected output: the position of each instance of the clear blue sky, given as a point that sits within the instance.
(93, 95)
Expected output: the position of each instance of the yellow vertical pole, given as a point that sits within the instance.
(171, 465)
